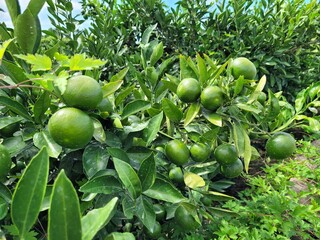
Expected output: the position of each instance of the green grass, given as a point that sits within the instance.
(283, 202)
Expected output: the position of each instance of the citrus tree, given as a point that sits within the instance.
(147, 152)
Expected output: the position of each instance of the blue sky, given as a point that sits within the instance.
(45, 23)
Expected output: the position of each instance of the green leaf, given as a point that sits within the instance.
(192, 112)
(123, 94)
(96, 219)
(43, 139)
(171, 110)
(128, 206)
(156, 54)
(6, 121)
(14, 9)
(185, 70)
(16, 73)
(15, 107)
(26, 31)
(64, 211)
(147, 173)
(120, 75)
(94, 158)
(147, 33)
(111, 88)
(47, 197)
(128, 177)
(202, 69)
(120, 236)
(152, 76)
(35, 6)
(146, 213)
(38, 62)
(61, 81)
(81, 62)
(98, 133)
(193, 180)
(258, 89)
(41, 106)
(5, 193)
(248, 108)
(3, 48)
(119, 153)
(29, 193)
(151, 131)
(3, 208)
(242, 143)
(218, 196)
(104, 184)
(135, 107)
(165, 191)
(212, 117)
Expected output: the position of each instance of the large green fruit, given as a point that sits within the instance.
(177, 152)
(189, 90)
(281, 145)
(82, 92)
(71, 128)
(243, 67)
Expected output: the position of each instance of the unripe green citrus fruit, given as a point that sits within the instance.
(200, 152)
(82, 92)
(281, 145)
(226, 153)
(189, 90)
(243, 67)
(211, 97)
(232, 170)
(177, 152)
(71, 128)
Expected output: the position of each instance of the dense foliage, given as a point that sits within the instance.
(137, 126)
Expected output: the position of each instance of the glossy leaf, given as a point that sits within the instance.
(111, 88)
(26, 32)
(15, 106)
(165, 191)
(193, 180)
(64, 211)
(16, 73)
(38, 62)
(14, 9)
(119, 154)
(41, 106)
(3, 208)
(3, 48)
(192, 112)
(98, 133)
(212, 117)
(35, 6)
(171, 110)
(202, 69)
(96, 219)
(128, 206)
(154, 125)
(81, 62)
(43, 138)
(120, 75)
(185, 70)
(260, 86)
(5, 193)
(135, 107)
(29, 193)
(94, 159)
(145, 212)
(156, 54)
(120, 236)
(104, 184)
(6, 121)
(147, 33)
(248, 108)
(128, 177)
(147, 173)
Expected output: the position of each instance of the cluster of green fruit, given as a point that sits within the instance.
(71, 126)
